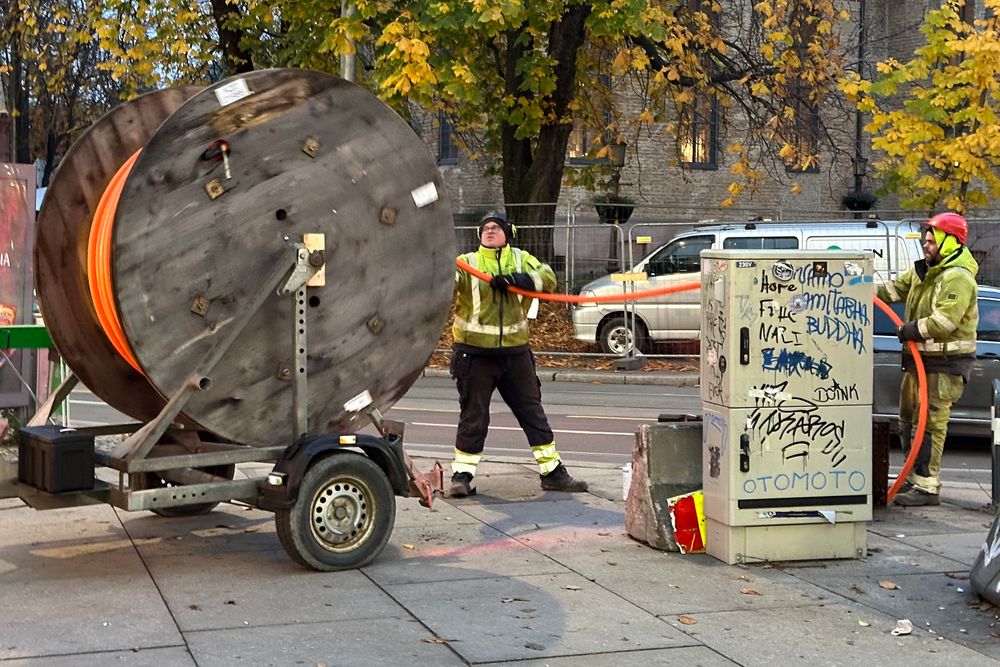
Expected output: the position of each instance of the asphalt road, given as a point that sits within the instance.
(592, 423)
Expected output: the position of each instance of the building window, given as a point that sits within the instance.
(583, 135)
(447, 148)
(698, 133)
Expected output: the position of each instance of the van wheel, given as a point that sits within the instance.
(616, 337)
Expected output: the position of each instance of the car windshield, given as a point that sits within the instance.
(682, 255)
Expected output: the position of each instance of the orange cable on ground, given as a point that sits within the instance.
(576, 298)
(918, 436)
(99, 263)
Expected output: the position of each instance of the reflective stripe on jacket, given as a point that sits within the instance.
(942, 302)
(487, 318)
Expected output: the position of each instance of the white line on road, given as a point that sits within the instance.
(518, 428)
(412, 447)
(633, 419)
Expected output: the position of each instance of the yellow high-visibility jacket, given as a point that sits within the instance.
(942, 301)
(490, 319)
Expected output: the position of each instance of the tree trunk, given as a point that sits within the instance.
(532, 176)
(19, 102)
(237, 59)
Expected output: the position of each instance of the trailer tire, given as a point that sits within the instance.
(150, 480)
(343, 515)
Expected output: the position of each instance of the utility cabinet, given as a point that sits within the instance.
(786, 369)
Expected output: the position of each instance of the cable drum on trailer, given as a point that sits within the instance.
(229, 179)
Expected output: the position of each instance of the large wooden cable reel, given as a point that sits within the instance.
(194, 236)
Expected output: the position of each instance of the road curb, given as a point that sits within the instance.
(667, 378)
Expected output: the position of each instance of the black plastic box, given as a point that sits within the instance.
(55, 459)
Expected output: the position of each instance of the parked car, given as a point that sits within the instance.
(971, 416)
(896, 245)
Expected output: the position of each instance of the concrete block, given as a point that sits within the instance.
(666, 462)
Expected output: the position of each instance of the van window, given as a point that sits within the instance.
(761, 243)
(679, 256)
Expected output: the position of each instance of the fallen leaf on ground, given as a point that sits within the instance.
(571, 587)
(534, 647)
(903, 627)
(749, 591)
(888, 585)
(864, 624)
(857, 589)
(506, 600)
(686, 620)
(435, 640)
(409, 546)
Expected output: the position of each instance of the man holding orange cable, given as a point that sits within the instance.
(941, 317)
(491, 352)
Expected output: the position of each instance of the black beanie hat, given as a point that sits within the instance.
(500, 218)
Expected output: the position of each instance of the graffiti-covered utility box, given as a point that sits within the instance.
(786, 369)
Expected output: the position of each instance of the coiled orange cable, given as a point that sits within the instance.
(99, 263)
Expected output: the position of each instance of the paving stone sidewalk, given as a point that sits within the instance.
(509, 576)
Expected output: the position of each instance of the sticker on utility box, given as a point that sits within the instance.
(745, 264)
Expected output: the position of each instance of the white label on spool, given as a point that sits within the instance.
(424, 195)
(234, 91)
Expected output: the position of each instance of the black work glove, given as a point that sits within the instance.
(499, 283)
(522, 280)
(908, 331)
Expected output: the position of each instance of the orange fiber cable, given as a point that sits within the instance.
(99, 263)
(577, 298)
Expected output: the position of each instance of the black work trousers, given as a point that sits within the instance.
(513, 375)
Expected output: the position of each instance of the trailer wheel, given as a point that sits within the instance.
(150, 480)
(343, 516)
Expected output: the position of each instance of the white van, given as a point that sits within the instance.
(677, 316)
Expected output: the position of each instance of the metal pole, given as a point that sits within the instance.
(995, 426)
(859, 157)
(347, 60)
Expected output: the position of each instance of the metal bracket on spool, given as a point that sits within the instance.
(307, 264)
(139, 444)
(43, 413)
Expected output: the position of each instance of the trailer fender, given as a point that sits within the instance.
(280, 489)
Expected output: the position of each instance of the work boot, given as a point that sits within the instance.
(560, 480)
(461, 485)
(915, 497)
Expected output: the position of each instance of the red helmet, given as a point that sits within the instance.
(951, 223)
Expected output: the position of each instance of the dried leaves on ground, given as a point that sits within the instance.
(553, 331)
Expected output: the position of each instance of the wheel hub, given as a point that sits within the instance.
(341, 514)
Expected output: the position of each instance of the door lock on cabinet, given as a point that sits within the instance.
(744, 453)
